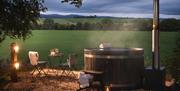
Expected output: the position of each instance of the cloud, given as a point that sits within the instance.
(117, 7)
(170, 7)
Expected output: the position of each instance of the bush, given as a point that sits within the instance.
(173, 62)
(4, 70)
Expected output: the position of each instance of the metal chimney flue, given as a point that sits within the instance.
(155, 37)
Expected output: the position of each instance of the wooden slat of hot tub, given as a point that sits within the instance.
(93, 72)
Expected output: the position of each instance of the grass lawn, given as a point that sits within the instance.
(75, 42)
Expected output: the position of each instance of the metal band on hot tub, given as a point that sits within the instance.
(110, 56)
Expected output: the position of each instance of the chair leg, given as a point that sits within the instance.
(64, 71)
(35, 68)
(43, 71)
(33, 71)
(39, 71)
(71, 73)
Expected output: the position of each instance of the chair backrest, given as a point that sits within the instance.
(33, 57)
(71, 60)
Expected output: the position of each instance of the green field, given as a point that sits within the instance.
(75, 42)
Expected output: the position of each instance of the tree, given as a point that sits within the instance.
(56, 26)
(77, 3)
(169, 25)
(106, 23)
(173, 61)
(48, 23)
(79, 25)
(16, 17)
(86, 26)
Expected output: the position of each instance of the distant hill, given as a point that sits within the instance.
(58, 16)
(90, 16)
(72, 16)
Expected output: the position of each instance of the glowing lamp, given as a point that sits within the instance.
(16, 48)
(14, 60)
(107, 88)
(16, 65)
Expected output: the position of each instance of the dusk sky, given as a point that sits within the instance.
(118, 8)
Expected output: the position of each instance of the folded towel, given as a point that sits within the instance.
(84, 79)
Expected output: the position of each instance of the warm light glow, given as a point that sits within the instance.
(16, 48)
(153, 40)
(154, 26)
(88, 55)
(107, 89)
(137, 48)
(105, 45)
(16, 65)
(101, 46)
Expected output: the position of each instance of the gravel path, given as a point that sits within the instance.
(51, 82)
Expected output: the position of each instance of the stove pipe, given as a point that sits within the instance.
(155, 36)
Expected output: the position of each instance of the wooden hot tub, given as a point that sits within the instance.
(121, 67)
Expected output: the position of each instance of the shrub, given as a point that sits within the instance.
(173, 62)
